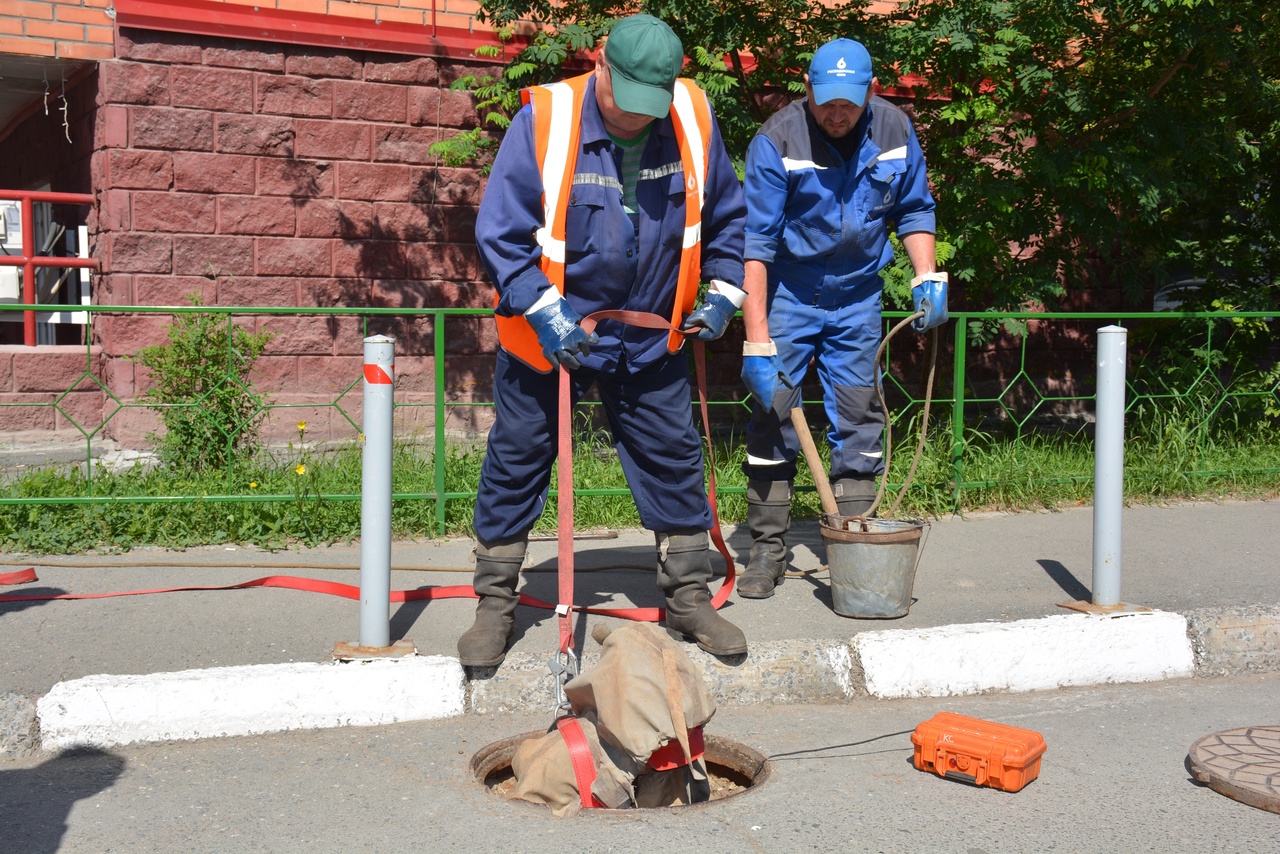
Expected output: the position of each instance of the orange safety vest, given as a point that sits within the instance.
(557, 115)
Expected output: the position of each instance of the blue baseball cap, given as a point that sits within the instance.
(840, 69)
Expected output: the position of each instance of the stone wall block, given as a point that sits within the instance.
(249, 55)
(197, 255)
(213, 173)
(458, 110)
(300, 179)
(112, 127)
(270, 136)
(418, 72)
(372, 102)
(171, 129)
(250, 290)
(317, 62)
(7, 353)
(217, 89)
(332, 375)
(55, 369)
(333, 140)
(81, 411)
(368, 259)
(132, 426)
(255, 215)
(27, 412)
(328, 218)
(404, 144)
(459, 223)
(133, 83)
(138, 170)
(274, 374)
(174, 212)
(294, 96)
(373, 181)
(458, 187)
(294, 257)
(114, 210)
(174, 290)
(126, 334)
(309, 335)
(407, 222)
(325, 292)
(156, 46)
(458, 262)
(138, 252)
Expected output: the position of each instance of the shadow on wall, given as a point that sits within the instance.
(35, 803)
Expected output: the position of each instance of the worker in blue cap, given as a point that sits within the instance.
(828, 178)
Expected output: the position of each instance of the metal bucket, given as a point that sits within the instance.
(873, 564)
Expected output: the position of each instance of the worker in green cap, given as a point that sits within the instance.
(611, 190)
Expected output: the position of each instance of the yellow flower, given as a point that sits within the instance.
(300, 470)
(302, 426)
(253, 484)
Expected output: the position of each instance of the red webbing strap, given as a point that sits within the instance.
(653, 321)
(671, 754)
(22, 576)
(564, 514)
(584, 765)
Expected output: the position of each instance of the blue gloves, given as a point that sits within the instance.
(556, 325)
(929, 294)
(762, 372)
(709, 320)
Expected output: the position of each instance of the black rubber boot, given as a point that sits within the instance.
(769, 519)
(854, 495)
(684, 571)
(497, 573)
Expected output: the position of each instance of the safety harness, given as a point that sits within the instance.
(557, 123)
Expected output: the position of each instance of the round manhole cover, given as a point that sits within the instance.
(1243, 764)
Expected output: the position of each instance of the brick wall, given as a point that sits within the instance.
(257, 174)
(70, 29)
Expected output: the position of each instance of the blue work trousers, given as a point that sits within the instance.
(841, 342)
(650, 417)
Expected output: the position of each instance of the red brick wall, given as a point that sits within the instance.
(263, 174)
(71, 29)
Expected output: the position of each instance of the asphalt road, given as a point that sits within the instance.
(1114, 779)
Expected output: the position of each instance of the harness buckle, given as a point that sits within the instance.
(564, 666)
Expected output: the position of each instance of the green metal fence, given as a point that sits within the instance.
(1036, 382)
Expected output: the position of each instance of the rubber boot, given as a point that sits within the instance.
(684, 570)
(769, 519)
(497, 573)
(854, 495)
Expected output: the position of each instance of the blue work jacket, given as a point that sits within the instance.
(822, 224)
(609, 262)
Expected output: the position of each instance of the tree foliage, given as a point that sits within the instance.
(1072, 143)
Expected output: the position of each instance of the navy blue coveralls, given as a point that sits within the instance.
(821, 225)
(611, 262)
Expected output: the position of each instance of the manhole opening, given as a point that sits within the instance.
(734, 768)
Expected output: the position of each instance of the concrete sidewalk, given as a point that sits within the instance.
(986, 619)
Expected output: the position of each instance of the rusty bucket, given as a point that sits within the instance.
(872, 564)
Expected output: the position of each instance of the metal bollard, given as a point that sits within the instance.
(375, 493)
(1108, 465)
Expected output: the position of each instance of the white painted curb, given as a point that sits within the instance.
(1025, 655)
(103, 711)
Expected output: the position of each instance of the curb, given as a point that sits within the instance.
(1024, 655)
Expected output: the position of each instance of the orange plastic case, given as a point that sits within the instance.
(977, 751)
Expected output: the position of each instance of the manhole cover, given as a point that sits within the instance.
(734, 769)
(1243, 764)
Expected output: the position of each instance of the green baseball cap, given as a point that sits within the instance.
(645, 58)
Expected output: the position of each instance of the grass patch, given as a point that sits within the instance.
(295, 496)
